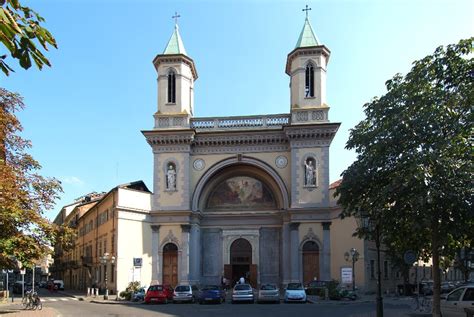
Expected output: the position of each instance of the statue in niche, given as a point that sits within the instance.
(310, 173)
(171, 177)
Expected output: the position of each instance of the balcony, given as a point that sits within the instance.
(250, 122)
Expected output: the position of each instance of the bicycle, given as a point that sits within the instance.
(425, 305)
(31, 300)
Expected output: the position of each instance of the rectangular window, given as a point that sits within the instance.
(372, 269)
(112, 269)
(385, 269)
(100, 248)
(113, 242)
(105, 245)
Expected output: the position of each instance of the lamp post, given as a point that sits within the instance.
(352, 255)
(372, 226)
(105, 259)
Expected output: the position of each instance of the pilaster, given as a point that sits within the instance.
(155, 244)
(326, 269)
(294, 249)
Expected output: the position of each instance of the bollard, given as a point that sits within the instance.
(97, 292)
(88, 292)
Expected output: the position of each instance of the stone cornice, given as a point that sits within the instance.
(313, 131)
(312, 50)
(175, 58)
(167, 137)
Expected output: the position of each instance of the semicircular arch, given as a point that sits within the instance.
(232, 167)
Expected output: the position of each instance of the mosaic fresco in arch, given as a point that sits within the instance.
(241, 192)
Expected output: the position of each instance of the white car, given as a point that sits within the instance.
(457, 300)
(295, 292)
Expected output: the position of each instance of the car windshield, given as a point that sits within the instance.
(182, 288)
(295, 286)
(156, 288)
(268, 287)
(242, 287)
(210, 288)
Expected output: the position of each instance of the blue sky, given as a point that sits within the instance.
(84, 115)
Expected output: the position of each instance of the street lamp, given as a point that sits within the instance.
(105, 259)
(372, 226)
(352, 255)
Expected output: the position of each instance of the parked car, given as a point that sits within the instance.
(447, 287)
(268, 293)
(43, 284)
(183, 293)
(242, 293)
(453, 304)
(139, 295)
(159, 294)
(59, 284)
(211, 293)
(294, 292)
(426, 287)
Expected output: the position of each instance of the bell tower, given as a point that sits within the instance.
(176, 76)
(306, 65)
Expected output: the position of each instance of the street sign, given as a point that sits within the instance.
(137, 262)
(346, 275)
(409, 257)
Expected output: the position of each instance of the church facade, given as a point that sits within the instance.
(243, 196)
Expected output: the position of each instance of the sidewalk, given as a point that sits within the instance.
(9, 309)
(99, 299)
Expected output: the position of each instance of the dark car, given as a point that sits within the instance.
(317, 287)
(159, 294)
(211, 294)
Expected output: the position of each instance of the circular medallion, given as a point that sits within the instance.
(281, 161)
(199, 164)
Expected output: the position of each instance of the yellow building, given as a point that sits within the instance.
(111, 224)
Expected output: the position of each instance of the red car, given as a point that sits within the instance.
(159, 294)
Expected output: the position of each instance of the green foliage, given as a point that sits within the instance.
(20, 32)
(413, 174)
(25, 235)
(131, 288)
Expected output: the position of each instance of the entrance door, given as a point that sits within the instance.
(310, 261)
(240, 259)
(170, 264)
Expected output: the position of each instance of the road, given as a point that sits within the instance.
(69, 306)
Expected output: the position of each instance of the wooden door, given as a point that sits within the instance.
(253, 275)
(170, 265)
(310, 261)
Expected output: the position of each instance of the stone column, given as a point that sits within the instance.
(326, 258)
(294, 249)
(195, 254)
(155, 244)
(285, 250)
(184, 267)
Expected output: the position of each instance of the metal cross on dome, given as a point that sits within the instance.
(176, 16)
(307, 9)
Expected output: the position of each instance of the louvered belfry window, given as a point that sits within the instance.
(171, 87)
(309, 81)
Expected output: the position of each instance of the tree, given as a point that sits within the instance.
(25, 235)
(414, 166)
(20, 29)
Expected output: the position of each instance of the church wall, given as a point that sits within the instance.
(306, 196)
(269, 255)
(164, 199)
(317, 229)
(342, 241)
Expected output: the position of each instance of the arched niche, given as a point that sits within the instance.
(255, 172)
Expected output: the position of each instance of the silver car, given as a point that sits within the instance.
(457, 300)
(268, 293)
(242, 293)
(183, 293)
